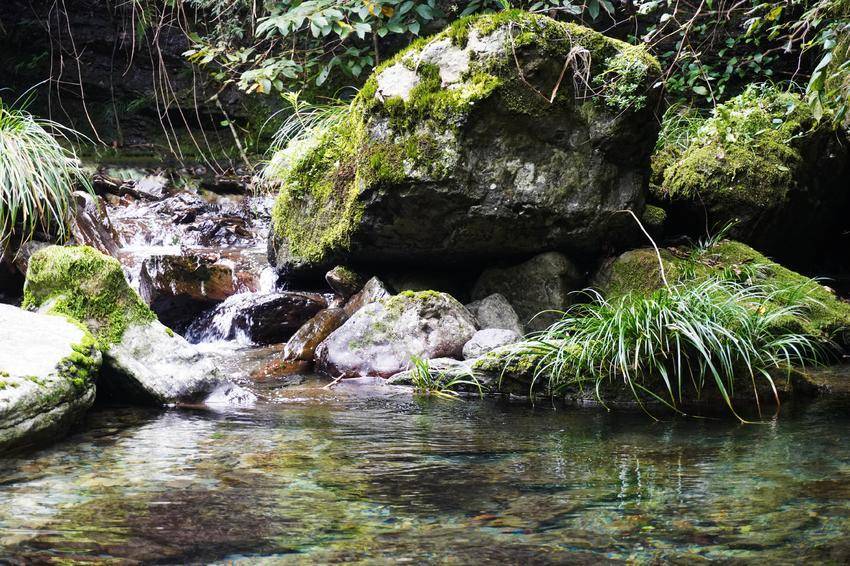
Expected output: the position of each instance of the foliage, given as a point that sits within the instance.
(37, 176)
(428, 381)
(686, 336)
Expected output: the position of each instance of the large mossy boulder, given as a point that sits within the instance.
(144, 361)
(637, 271)
(381, 338)
(762, 162)
(504, 135)
(48, 367)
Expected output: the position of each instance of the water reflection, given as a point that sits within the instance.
(330, 477)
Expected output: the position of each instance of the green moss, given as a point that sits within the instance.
(746, 154)
(86, 286)
(653, 216)
(394, 141)
(637, 271)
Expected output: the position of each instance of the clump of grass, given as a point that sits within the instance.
(37, 176)
(304, 125)
(677, 342)
(428, 381)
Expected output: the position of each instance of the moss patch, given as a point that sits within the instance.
(86, 286)
(746, 154)
(393, 141)
(637, 271)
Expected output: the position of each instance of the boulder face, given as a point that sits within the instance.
(764, 165)
(471, 146)
(47, 372)
(380, 338)
(494, 311)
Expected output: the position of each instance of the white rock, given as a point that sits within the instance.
(396, 80)
(39, 398)
(487, 340)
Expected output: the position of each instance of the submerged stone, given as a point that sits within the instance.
(381, 338)
(48, 367)
(470, 146)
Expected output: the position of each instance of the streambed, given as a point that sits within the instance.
(356, 473)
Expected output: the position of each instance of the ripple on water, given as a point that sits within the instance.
(333, 477)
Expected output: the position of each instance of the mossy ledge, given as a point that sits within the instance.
(399, 140)
(86, 286)
(637, 271)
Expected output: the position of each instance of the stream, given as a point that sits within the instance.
(357, 474)
(364, 472)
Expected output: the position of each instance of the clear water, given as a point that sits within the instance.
(349, 475)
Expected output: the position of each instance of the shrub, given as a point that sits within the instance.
(37, 176)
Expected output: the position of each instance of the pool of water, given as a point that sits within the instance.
(358, 475)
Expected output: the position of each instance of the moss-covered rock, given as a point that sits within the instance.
(471, 144)
(761, 161)
(48, 367)
(87, 286)
(637, 271)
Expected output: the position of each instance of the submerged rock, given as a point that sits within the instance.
(48, 367)
(268, 318)
(494, 311)
(144, 362)
(381, 338)
(489, 339)
(303, 344)
(453, 152)
(541, 284)
(764, 163)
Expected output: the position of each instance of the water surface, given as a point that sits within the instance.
(348, 476)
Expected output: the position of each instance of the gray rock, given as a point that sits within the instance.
(152, 187)
(47, 371)
(540, 284)
(494, 311)
(496, 173)
(381, 338)
(374, 290)
(489, 339)
(152, 365)
(90, 225)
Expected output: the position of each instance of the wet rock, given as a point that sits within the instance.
(494, 311)
(25, 252)
(344, 281)
(144, 362)
(380, 338)
(498, 172)
(488, 339)
(258, 318)
(303, 344)
(47, 373)
(540, 284)
(374, 290)
(179, 287)
(152, 187)
(183, 208)
(90, 225)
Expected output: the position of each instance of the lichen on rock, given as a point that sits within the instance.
(448, 139)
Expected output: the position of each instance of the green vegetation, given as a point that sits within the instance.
(86, 286)
(671, 345)
(428, 381)
(37, 176)
(336, 156)
(746, 155)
